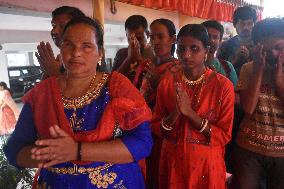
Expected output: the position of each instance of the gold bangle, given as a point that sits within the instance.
(204, 124)
(165, 126)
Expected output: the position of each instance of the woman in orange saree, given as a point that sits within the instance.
(194, 115)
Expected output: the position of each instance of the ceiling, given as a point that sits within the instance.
(25, 22)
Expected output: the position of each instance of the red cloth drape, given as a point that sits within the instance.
(206, 9)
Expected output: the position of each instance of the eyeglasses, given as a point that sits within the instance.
(191, 48)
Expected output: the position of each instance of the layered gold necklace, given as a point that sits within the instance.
(78, 102)
(91, 94)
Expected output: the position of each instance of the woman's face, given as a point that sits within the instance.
(160, 39)
(1, 87)
(191, 52)
(79, 50)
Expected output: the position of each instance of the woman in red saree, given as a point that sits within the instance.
(194, 115)
(162, 39)
(85, 129)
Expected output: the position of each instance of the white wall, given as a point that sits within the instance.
(3, 68)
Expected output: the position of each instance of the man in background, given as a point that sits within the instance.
(216, 31)
(60, 17)
(237, 49)
(127, 60)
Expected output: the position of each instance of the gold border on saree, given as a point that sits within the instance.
(96, 177)
(78, 170)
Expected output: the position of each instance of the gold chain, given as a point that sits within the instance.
(198, 91)
(87, 98)
(195, 82)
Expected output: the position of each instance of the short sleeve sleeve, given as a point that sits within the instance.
(244, 76)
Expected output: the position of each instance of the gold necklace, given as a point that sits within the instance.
(91, 94)
(79, 102)
(195, 82)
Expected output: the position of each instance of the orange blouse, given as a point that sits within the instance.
(189, 160)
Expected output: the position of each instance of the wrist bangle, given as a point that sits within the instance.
(204, 124)
(79, 151)
(165, 126)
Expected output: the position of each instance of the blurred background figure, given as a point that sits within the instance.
(237, 49)
(9, 112)
(51, 65)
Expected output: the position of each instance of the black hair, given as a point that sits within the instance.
(244, 13)
(72, 11)
(135, 21)
(216, 25)
(170, 27)
(93, 23)
(4, 85)
(197, 31)
(268, 28)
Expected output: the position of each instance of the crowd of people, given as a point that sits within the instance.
(156, 121)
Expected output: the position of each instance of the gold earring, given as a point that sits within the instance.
(100, 62)
(205, 58)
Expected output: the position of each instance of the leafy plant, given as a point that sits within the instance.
(10, 176)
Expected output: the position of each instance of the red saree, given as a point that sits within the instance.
(188, 159)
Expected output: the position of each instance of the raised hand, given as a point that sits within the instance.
(183, 101)
(259, 56)
(152, 75)
(61, 148)
(279, 76)
(49, 64)
(242, 53)
(134, 48)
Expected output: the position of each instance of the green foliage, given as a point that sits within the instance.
(9, 175)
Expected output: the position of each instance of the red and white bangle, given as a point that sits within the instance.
(165, 126)
(204, 124)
